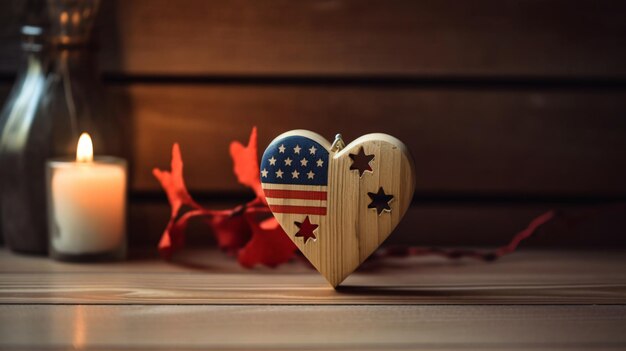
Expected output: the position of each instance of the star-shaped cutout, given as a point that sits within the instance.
(264, 173)
(297, 149)
(281, 148)
(279, 173)
(380, 201)
(304, 162)
(272, 161)
(310, 175)
(295, 174)
(288, 161)
(306, 229)
(320, 162)
(361, 162)
(312, 150)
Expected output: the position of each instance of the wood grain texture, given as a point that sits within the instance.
(208, 302)
(377, 37)
(164, 116)
(347, 37)
(347, 231)
(524, 142)
(350, 37)
(313, 327)
(203, 277)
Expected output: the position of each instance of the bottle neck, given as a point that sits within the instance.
(80, 59)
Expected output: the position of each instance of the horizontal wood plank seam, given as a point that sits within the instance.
(339, 304)
(472, 82)
(427, 82)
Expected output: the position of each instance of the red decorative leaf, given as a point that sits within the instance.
(174, 185)
(173, 237)
(269, 245)
(231, 232)
(231, 227)
(246, 164)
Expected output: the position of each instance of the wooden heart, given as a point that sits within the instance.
(337, 204)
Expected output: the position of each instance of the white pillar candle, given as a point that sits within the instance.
(87, 203)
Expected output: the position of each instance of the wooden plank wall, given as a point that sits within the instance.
(510, 107)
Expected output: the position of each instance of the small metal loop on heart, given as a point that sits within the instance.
(338, 144)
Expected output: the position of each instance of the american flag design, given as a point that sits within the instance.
(294, 176)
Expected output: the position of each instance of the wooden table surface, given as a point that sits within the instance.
(539, 300)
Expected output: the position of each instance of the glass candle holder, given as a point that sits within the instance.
(87, 208)
(57, 95)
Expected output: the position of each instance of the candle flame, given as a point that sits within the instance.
(84, 149)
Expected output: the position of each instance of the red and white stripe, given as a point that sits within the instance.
(296, 199)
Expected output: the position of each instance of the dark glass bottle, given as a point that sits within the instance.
(22, 148)
(71, 102)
